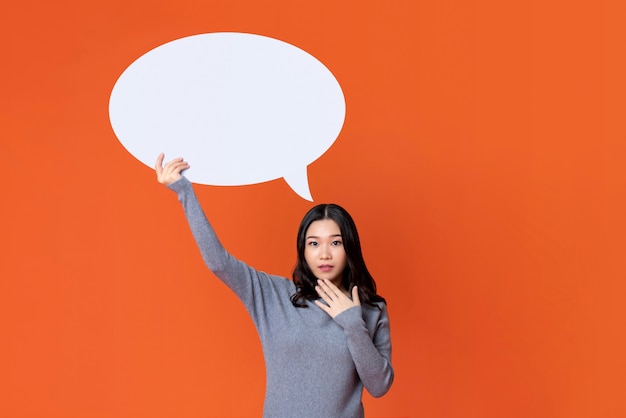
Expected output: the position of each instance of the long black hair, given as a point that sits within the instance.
(354, 274)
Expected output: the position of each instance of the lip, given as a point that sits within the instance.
(325, 267)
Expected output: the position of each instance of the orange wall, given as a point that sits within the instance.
(482, 157)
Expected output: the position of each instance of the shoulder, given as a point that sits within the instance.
(279, 280)
(279, 284)
(374, 307)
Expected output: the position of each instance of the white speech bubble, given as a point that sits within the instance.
(241, 108)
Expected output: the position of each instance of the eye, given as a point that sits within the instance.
(312, 243)
(336, 242)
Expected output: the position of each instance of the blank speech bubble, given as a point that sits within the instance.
(241, 108)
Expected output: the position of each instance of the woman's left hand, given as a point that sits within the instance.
(336, 300)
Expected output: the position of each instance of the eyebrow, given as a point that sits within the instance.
(330, 236)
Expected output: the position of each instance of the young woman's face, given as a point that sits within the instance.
(324, 252)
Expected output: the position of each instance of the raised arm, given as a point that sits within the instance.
(237, 275)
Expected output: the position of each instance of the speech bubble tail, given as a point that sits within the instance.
(300, 184)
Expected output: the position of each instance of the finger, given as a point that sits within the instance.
(330, 288)
(329, 294)
(322, 292)
(173, 162)
(159, 163)
(325, 308)
(177, 167)
(174, 168)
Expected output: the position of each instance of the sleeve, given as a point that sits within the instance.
(242, 279)
(371, 353)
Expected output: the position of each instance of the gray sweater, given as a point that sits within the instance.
(316, 366)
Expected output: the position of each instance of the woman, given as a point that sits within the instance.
(325, 335)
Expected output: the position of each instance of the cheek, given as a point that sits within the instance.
(341, 256)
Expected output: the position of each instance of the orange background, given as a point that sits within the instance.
(483, 157)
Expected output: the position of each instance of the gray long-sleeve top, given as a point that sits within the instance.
(316, 366)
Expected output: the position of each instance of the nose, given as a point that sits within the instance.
(325, 253)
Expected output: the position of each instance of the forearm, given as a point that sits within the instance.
(372, 357)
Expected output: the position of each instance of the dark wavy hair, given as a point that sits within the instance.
(355, 272)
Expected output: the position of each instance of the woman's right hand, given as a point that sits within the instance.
(172, 170)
